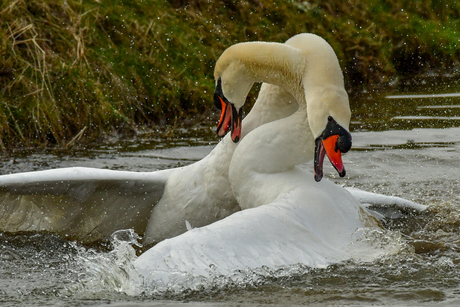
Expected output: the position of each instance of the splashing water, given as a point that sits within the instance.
(107, 273)
(111, 274)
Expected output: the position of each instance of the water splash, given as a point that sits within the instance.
(369, 246)
(111, 275)
(184, 285)
(107, 274)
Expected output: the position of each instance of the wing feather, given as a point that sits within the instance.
(81, 204)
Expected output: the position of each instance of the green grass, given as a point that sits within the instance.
(74, 71)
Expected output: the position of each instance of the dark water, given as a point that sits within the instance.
(402, 146)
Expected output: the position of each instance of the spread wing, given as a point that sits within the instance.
(83, 204)
(383, 206)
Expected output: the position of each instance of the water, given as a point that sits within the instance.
(407, 147)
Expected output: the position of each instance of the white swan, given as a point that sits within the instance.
(198, 193)
(290, 218)
(89, 204)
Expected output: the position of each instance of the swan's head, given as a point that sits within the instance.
(230, 117)
(234, 80)
(329, 117)
(334, 141)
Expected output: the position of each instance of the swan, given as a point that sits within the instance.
(88, 204)
(289, 214)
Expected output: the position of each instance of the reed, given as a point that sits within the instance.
(75, 71)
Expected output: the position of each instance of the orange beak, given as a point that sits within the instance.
(225, 119)
(334, 154)
(230, 118)
(334, 141)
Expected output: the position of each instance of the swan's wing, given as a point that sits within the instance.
(79, 203)
(383, 206)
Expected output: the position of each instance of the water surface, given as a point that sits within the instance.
(402, 146)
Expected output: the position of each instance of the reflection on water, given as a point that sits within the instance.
(416, 96)
(397, 151)
(409, 110)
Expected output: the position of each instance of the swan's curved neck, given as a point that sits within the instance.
(294, 68)
(305, 66)
(243, 64)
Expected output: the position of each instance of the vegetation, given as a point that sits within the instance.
(73, 71)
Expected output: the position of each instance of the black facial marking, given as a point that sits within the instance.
(218, 94)
(333, 128)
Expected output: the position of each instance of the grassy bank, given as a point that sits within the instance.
(74, 71)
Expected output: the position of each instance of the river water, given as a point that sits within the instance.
(403, 146)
